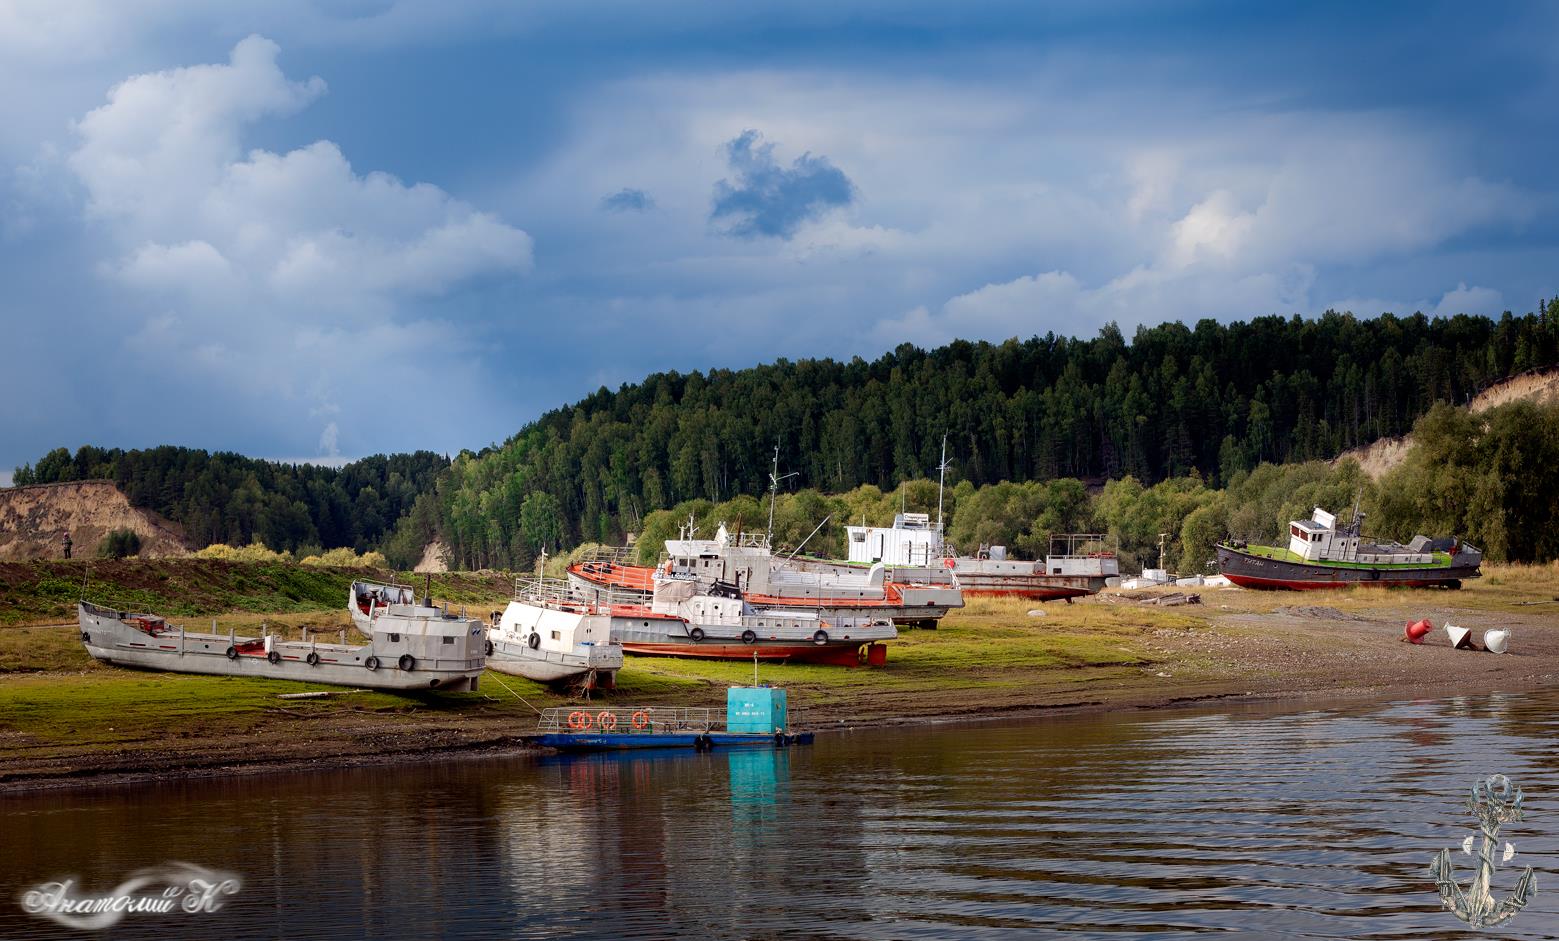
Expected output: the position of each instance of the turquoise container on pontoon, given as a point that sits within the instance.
(759, 709)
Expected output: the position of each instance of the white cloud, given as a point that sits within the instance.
(1459, 300)
(1215, 228)
(1469, 300)
(1057, 301)
(270, 272)
(165, 139)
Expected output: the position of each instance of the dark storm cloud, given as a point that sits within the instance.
(768, 199)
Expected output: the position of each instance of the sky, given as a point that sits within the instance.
(320, 230)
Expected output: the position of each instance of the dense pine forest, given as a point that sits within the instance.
(229, 498)
(1179, 412)
(1214, 399)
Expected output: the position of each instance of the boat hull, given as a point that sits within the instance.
(767, 639)
(515, 658)
(1248, 570)
(974, 583)
(1041, 588)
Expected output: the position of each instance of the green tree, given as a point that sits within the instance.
(119, 544)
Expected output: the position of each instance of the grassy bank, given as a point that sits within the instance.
(63, 715)
(38, 592)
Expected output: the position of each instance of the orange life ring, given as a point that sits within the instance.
(641, 719)
(606, 720)
(578, 720)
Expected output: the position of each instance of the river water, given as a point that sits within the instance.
(1271, 823)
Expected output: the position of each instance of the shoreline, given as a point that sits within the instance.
(510, 747)
(67, 722)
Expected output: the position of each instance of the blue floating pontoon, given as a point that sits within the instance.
(755, 716)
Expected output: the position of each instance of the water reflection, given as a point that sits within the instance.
(1318, 823)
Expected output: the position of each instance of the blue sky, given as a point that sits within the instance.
(316, 231)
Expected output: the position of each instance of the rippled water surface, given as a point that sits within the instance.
(1280, 824)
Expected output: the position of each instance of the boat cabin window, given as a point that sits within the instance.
(449, 640)
(556, 635)
(395, 638)
(857, 537)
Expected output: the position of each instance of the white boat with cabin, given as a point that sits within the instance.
(403, 653)
(913, 547)
(546, 635)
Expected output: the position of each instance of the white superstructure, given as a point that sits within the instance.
(1320, 539)
(547, 635)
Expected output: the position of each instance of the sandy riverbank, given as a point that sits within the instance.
(65, 720)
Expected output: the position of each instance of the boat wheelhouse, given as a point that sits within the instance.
(363, 597)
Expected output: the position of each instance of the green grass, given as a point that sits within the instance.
(111, 705)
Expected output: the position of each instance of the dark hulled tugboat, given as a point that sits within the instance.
(1323, 554)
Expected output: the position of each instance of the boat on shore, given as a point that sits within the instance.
(755, 717)
(747, 563)
(548, 636)
(403, 653)
(1322, 553)
(688, 617)
(700, 619)
(913, 549)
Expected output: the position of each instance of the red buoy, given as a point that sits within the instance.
(1414, 633)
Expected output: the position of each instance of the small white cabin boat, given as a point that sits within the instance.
(402, 654)
(547, 635)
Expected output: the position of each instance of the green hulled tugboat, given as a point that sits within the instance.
(1323, 554)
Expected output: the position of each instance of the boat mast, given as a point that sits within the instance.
(774, 482)
(941, 482)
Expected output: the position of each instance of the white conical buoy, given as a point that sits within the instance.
(1461, 637)
(1497, 639)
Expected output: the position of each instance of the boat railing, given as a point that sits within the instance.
(627, 720)
(103, 610)
(616, 555)
(561, 594)
(1081, 545)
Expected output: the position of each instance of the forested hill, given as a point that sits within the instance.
(225, 497)
(1213, 398)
